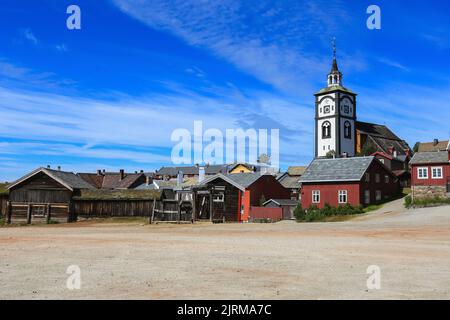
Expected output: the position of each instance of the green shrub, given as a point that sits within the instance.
(408, 201)
(313, 213)
(299, 213)
(2, 221)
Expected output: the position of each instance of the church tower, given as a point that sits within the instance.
(335, 130)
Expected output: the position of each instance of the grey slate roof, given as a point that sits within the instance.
(191, 170)
(288, 181)
(68, 179)
(339, 169)
(240, 180)
(430, 157)
(282, 202)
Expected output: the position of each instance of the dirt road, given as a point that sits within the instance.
(286, 260)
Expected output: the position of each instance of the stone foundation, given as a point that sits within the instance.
(421, 192)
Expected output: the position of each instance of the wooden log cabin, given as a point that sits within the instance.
(44, 194)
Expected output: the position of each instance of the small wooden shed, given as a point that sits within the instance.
(44, 194)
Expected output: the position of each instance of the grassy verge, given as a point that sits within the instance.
(327, 213)
(425, 202)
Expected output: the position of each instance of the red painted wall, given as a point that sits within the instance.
(329, 194)
(355, 190)
(265, 213)
(415, 181)
(268, 186)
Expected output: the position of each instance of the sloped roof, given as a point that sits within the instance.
(334, 88)
(339, 169)
(111, 180)
(296, 170)
(282, 202)
(430, 157)
(68, 179)
(382, 137)
(191, 170)
(288, 181)
(432, 146)
(239, 180)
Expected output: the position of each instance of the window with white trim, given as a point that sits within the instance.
(386, 179)
(378, 195)
(342, 196)
(377, 177)
(436, 172)
(316, 196)
(422, 173)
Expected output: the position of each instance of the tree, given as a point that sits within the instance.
(331, 154)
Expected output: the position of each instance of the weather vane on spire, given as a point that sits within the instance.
(334, 47)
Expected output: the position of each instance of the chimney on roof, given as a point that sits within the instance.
(48, 166)
(180, 178)
(122, 174)
(148, 180)
(201, 174)
(103, 171)
(142, 171)
(99, 172)
(135, 172)
(435, 142)
(59, 168)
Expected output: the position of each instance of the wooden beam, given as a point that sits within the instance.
(152, 217)
(29, 210)
(49, 212)
(8, 212)
(211, 205)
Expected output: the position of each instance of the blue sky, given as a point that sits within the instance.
(109, 95)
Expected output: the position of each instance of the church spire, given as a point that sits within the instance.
(335, 76)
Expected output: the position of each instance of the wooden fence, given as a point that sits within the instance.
(28, 213)
(3, 203)
(112, 208)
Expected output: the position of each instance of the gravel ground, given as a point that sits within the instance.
(286, 260)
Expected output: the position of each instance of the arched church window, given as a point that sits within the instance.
(347, 130)
(326, 130)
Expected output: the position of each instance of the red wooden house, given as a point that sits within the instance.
(430, 174)
(355, 181)
(230, 197)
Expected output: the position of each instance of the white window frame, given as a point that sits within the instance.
(386, 179)
(342, 194)
(314, 194)
(423, 170)
(378, 195)
(440, 170)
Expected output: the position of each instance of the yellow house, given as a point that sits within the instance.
(241, 168)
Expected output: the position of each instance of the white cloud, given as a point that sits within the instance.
(266, 40)
(28, 35)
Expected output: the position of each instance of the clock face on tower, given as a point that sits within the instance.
(347, 107)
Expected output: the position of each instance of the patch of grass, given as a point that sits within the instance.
(425, 202)
(372, 207)
(406, 191)
(2, 222)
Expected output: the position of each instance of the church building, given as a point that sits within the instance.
(339, 134)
